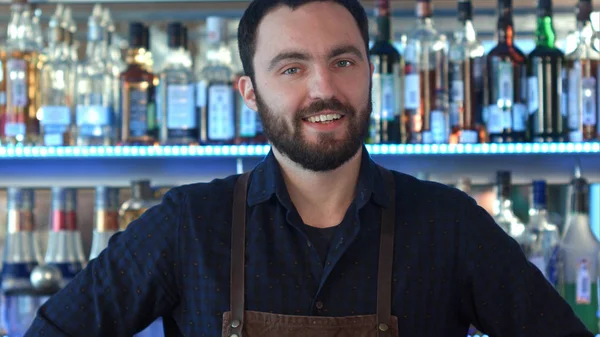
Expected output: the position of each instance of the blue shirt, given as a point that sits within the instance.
(452, 265)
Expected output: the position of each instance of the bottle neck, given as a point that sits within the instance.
(384, 29)
(468, 31)
(545, 35)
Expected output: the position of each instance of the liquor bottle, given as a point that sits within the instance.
(64, 247)
(503, 211)
(94, 112)
(215, 96)
(386, 119)
(114, 64)
(506, 83)
(142, 198)
(21, 252)
(577, 257)
(179, 122)
(541, 237)
(137, 112)
(71, 52)
(425, 81)
(20, 125)
(2, 87)
(106, 218)
(466, 72)
(583, 81)
(55, 113)
(545, 73)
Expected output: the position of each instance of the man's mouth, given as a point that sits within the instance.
(324, 118)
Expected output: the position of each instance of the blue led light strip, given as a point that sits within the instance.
(261, 150)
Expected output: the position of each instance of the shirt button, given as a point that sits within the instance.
(319, 305)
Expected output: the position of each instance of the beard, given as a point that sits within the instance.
(327, 153)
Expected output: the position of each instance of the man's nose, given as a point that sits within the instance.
(322, 83)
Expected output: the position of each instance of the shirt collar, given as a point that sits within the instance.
(267, 181)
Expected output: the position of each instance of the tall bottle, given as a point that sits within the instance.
(386, 118)
(137, 110)
(64, 244)
(55, 112)
(425, 82)
(466, 72)
(583, 80)
(578, 256)
(179, 122)
(71, 52)
(94, 112)
(114, 63)
(541, 237)
(21, 125)
(506, 83)
(503, 212)
(142, 198)
(21, 252)
(215, 95)
(545, 73)
(106, 218)
(2, 88)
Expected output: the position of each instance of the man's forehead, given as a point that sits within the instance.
(316, 25)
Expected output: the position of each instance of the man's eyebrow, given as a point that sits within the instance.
(346, 49)
(288, 55)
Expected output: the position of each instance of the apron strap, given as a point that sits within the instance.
(386, 259)
(238, 252)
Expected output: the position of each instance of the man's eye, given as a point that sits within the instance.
(344, 63)
(291, 71)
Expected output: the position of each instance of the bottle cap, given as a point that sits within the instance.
(136, 35)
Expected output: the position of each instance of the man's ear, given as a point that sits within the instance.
(247, 91)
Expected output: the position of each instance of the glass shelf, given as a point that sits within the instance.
(261, 150)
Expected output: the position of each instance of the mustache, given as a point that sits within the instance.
(332, 104)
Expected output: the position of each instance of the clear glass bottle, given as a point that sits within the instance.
(583, 80)
(541, 237)
(215, 95)
(425, 81)
(506, 106)
(386, 119)
(545, 73)
(577, 257)
(55, 114)
(94, 113)
(114, 63)
(137, 110)
(179, 121)
(503, 211)
(21, 125)
(466, 72)
(142, 198)
(64, 243)
(106, 218)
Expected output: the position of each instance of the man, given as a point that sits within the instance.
(334, 246)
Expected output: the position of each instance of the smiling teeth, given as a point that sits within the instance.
(324, 118)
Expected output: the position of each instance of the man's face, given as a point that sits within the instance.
(312, 84)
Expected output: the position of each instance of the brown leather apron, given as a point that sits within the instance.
(240, 323)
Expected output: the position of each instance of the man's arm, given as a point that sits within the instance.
(504, 295)
(131, 283)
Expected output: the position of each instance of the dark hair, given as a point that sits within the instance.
(257, 10)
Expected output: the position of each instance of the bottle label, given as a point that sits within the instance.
(14, 129)
(495, 119)
(588, 103)
(457, 96)
(138, 105)
(181, 113)
(573, 96)
(439, 129)
(533, 94)
(583, 293)
(505, 83)
(55, 115)
(248, 120)
(95, 115)
(468, 137)
(519, 113)
(221, 122)
(15, 276)
(539, 262)
(411, 91)
(16, 82)
(576, 136)
(201, 94)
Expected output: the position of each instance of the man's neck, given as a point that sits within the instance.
(321, 198)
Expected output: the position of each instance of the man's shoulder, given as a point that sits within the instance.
(416, 189)
(217, 188)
